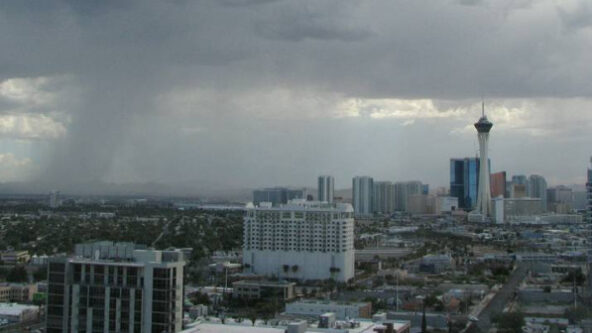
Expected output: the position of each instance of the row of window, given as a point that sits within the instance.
(299, 249)
(298, 215)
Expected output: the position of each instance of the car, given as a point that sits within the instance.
(473, 318)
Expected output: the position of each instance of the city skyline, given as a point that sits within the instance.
(202, 103)
(335, 166)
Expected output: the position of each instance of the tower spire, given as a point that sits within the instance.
(483, 127)
(482, 107)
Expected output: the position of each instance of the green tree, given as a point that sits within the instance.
(40, 274)
(199, 298)
(253, 315)
(510, 322)
(17, 274)
(424, 324)
(579, 277)
(574, 315)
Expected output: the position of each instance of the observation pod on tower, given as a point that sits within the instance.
(483, 125)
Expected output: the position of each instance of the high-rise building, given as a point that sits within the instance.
(518, 191)
(115, 287)
(508, 189)
(400, 196)
(457, 180)
(483, 127)
(363, 192)
(384, 197)
(560, 199)
(520, 179)
(326, 188)
(537, 188)
(416, 187)
(519, 187)
(278, 195)
(305, 240)
(425, 189)
(54, 199)
(403, 190)
(589, 195)
(464, 181)
(420, 204)
(498, 184)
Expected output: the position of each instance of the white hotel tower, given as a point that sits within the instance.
(305, 240)
(483, 207)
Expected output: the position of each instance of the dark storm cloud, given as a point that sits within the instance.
(576, 16)
(240, 3)
(212, 87)
(298, 24)
(382, 48)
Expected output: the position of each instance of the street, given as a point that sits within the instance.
(501, 298)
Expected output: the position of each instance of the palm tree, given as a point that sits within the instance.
(424, 324)
(252, 315)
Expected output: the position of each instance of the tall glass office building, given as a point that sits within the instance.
(464, 181)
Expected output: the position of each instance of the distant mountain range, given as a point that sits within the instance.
(189, 189)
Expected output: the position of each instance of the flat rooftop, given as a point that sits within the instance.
(245, 327)
(302, 205)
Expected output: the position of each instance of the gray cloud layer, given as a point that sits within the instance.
(243, 93)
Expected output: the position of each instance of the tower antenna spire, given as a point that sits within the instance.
(482, 107)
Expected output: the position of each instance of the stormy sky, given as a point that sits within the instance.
(245, 93)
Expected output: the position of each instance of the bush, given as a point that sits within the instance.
(17, 274)
(510, 322)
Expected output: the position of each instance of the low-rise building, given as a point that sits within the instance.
(445, 204)
(17, 292)
(362, 326)
(15, 257)
(342, 310)
(435, 263)
(18, 313)
(247, 289)
(225, 267)
(536, 257)
(550, 296)
(199, 310)
(433, 320)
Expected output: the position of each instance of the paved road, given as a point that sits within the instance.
(383, 252)
(165, 229)
(501, 298)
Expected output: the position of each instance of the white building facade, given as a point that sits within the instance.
(445, 204)
(300, 240)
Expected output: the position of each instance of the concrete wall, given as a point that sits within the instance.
(311, 265)
(433, 319)
(341, 311)
(540, 296)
